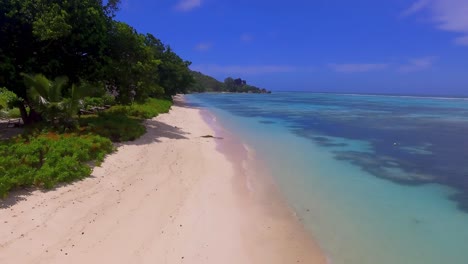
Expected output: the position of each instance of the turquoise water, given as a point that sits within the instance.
(376, 179)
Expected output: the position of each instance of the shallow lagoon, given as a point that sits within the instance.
(376, 179)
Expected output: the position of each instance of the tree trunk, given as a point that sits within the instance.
(30, 118)
(24, 113)
(34, 116)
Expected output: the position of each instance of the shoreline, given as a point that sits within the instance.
(168, 197)
(261, 195)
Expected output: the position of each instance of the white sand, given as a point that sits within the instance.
(169, 197)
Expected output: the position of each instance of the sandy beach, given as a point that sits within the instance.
(172, 196)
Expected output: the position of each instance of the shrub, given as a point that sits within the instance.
(113, 125)
(7, 99)
(149, 109)
(47, 159)
(106, 99)
(14, 113)
(89, 102)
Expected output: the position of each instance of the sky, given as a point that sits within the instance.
(360, 46)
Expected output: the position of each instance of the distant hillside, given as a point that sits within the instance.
(204, 83)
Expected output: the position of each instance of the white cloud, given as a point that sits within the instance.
(418, 64)
(416, 7)
(363, 67)
(448, 15)
(204, 46)
(187, 5)
(462, 41)
(246, 38)
(243, 69)
(451, 15)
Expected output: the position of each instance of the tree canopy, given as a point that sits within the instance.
(81, 40)
(204, 83)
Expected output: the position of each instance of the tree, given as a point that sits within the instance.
(175, 74)
(52, 37)
(132, 70)
(46, 98)
(81, 40)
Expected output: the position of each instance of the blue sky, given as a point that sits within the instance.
(387, 46)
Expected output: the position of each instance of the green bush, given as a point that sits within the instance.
(89, 102)
(106, 99)
(149, 109)
(113, 125)
(7, 98)
(14, 113)
(48, 159)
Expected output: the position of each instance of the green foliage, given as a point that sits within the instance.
(89, 102)
(122, 122)
(175, 74)
(52, 37)
(240, 86)
(105, 100)
(46, 97)
(7, 101)
(52, 24)
(45, 160)
(205, 83)
(149, 109)
(113, 125)
(81, 40)
(141, 66)
(128, 63)
(108, 99)
(10, 113)
(6, 98)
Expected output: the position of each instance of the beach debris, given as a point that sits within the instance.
(211, 136)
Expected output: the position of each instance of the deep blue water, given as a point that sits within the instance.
(377, 179)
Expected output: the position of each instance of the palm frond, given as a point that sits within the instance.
(38, 87)
(57, 87)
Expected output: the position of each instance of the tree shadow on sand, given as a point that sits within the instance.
(23, 193)
(16, 196)
(157, 130)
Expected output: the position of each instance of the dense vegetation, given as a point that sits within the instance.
(123, 123)
(6, 107)
(204, 83)
(44, 157)
(81, 41)
(47, 159)
(79, 80)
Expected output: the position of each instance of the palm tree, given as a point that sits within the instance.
(46, 97)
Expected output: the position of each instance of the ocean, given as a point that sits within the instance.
(376, 179)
